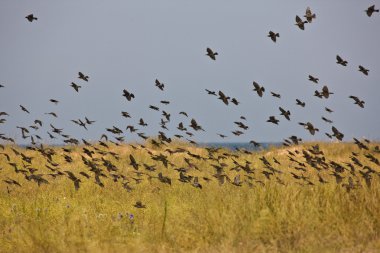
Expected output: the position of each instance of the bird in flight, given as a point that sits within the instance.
(211, 53)
(309, 15)
(31, 18)
(300, 23)
(371, 10)
(259, 89)
(363, 70)
(128, 95)
(340, 61)
(159, 84)
(358, 101)
(273, 36)
(313, 79)
(83, 76)
(75, 86)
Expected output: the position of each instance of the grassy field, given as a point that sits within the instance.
(329, 203)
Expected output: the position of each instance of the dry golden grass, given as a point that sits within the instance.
(262, 215)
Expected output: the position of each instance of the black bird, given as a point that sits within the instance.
(328, 110)
(89, 122)
(222, 136)
(300, 23)
(211, 54)
(75, 86)
(142, 123)
(31, 17)
(276, 95)
(223, 97)
(325, 92)
(371, 10)
(340, 61)
(184, 113)
(259, 89)
(327, 120)
(195, 125)
(358, 101)
(2, 86)
(154, 108)
(133, 162)
(24, 109)
(286, 114)
(313, 79)
(308, 126)
(273, 36)
(256, 144)
(309, 15)
(234, 101)
(337, 134)
(272, 119)
(165, 102)
(125, 114)
(54, 101)
(128, 95)
(363, 70)
(300, 103)
(159, 84)
(82, 76)
(139, 204)
(209, 92)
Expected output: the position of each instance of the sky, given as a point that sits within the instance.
(128, 44)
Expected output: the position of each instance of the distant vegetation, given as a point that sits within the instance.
(314, 197)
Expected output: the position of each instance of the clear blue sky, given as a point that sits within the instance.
(128, 44)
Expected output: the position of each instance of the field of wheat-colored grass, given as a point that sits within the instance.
(321, 207)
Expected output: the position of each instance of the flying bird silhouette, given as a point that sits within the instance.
(211, 53)
(273, 36)
(31, 18)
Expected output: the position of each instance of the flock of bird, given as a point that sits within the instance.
(100, 159)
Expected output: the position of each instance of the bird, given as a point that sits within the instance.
(24, 109)
(2, 86)
(300, 103)
(328, 110)
(313, 79)
(31, 18)
(340, 61)
(159, 84)
(259, 89)
(358, 101)
(223, 97)
(54, 101)
(234, 101)
(211, 53)
(286, 114)
(309, 15)
(209, 92)
(325, 92)
(272, 119)
(371, 10)
(139, 204)
(300, 23)
(327, 120)
(82, 76)
(363, 70)
(128, 95)
(273, 36)
(337, 134)
(75, 86)
(276, 95)
(309, 126)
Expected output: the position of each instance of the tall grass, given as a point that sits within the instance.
(262, 215)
